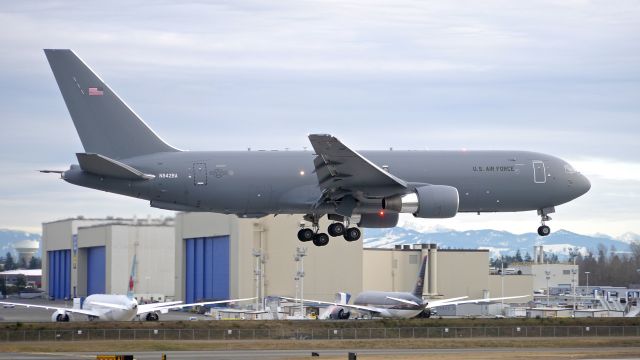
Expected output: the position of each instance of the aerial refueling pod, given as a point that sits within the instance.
(431, 201)
(378, 220)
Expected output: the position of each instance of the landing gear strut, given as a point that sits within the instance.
(339, 228)
(305, 234)
(544, 230)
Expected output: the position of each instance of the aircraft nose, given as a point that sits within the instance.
(583, 184)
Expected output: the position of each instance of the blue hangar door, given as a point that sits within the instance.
(96, 265)
(207, 269)
(59, 282)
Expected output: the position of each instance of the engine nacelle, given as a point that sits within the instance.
(384, 220)
(152, 316)
(60, 316)
(431, 201)
(340, 313)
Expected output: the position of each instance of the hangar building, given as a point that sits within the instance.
(213, 256)
(94, 256)
(449, 273)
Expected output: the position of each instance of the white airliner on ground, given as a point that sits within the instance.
(110, 307)
(393, 304)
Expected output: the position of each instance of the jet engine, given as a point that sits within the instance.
(152, 316)
(60, 316)
(431, 201)
(380, 220)
(339, 313)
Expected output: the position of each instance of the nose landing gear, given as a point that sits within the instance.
(544, 230)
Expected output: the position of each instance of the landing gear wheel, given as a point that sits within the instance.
(305, 235)
(320, 239)
(544, 230)
(336, 229)
(352, 234)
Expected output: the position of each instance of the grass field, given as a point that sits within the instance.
(143, 345)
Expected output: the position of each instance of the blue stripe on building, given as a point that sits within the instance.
(96, 267)
(59, 280)
(207, 268)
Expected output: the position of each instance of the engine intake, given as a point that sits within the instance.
(432, 201)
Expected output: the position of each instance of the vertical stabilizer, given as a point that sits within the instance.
(132, 277)
(419, 288)
(105, 124)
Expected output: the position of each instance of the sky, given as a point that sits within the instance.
(559, 77)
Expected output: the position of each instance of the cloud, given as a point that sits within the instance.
(560, 77)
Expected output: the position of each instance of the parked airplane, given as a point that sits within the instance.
(118, 307)
(389, 304)
(369, 188)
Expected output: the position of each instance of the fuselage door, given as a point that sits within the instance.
(539, 172)
(199, 174)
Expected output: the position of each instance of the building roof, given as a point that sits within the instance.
(25, 272)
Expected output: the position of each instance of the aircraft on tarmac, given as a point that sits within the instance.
(369, 188)
(387, 304)
(110, 307)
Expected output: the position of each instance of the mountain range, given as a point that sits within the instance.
(497, 242)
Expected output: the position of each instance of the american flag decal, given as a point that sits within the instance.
(95, 91)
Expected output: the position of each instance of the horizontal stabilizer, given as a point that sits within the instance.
(101, 165)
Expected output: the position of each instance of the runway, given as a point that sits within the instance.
(475, 353)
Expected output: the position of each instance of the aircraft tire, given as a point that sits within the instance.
(305, 235)
(544, 230)
(336, 229)
(320, 239)
(352, 234)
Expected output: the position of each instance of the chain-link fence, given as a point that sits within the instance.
(317, 334)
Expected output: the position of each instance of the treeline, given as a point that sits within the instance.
(606, 267)
(11, 264)
(610, 266)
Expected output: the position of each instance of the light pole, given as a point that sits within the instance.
(548, 274)
(587, 273)
(301, 252)
(573, 282)
(257, 271)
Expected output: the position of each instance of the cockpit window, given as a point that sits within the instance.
(569, 169)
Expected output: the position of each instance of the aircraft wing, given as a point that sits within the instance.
(473, 301)
(166, 306)
(65, 309)
(371, 309)
(342, 171)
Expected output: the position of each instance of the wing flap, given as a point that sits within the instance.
(338, 166)
(101, 165)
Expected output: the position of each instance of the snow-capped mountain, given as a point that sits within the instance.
(498, 242)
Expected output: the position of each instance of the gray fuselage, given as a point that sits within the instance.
(256, 183)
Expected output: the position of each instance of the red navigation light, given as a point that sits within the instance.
(381, 213)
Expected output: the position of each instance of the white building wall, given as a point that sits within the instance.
(559, 274)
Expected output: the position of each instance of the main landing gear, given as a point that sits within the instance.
(544, 230)
(335, 229)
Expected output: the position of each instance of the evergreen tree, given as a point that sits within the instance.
(518, 257)
(9, 263)
(35, 263)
